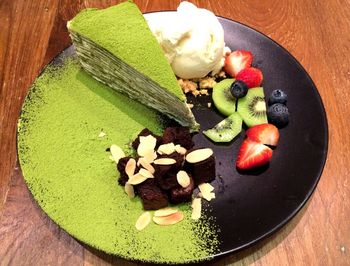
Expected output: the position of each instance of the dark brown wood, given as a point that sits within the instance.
(315, 32)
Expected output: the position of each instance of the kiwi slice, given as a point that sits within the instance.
(222, 97)
(252, 107)
(226, 130)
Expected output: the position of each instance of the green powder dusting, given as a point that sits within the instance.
(68, 171)
(123, 31)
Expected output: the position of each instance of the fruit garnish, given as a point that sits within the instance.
(266, 134)
(226, 130)
(253, 154)
(252, 107)
(236, 61)
(238, 89)
(278, 96)
(222, 97)
(251, 76)
(278, 115)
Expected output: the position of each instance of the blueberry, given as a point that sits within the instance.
(278, 96)
(239, 89)
(278, 115)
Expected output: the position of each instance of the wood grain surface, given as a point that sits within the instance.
(316, 32)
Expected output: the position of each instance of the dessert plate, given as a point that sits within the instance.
(248, 206)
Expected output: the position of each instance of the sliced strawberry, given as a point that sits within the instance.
(252, 154)
(251, 76)
(265, 133)
(236, 61)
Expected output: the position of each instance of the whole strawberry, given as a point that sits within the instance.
(251, 76)
(236, 61)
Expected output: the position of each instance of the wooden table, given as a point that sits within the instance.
(316, 32)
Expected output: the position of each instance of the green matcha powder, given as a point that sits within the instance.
(67, 168)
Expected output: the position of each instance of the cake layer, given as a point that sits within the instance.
(117, 74)
(116, 47)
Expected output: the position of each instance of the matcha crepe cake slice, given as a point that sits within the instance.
(116, 47)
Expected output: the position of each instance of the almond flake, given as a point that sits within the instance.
(165, 212)
(144, 220)
(169, 219)
(164, 161)
(130, 167)
(145, 164)
(183, 179)
(206, 190)
(136, 179)
(209, 196)
(129, 190)
(145, 173)
(116, 152)
(199, 155)
(102, 134)
(196, 208)
(167, 149)
(150, 156)
(180, 149)
(147, 144)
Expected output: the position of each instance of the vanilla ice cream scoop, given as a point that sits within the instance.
(192, 39)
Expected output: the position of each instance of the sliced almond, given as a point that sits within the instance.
(208, 197)
(164, 161)
(169, 219)
(144, 220)
(136, 179)
(116, 152)
(102, 134)
(129, 190)
(145, 164)
(147, 144)
(165, 212)
(196, 208)
(130, 167)
(180, 149)
(183, 179)
(167, 149)
(145, 173)
(211, 196)
(199, 155)
(150, 156)
(206, 190)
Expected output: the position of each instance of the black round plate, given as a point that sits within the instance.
(252, 205)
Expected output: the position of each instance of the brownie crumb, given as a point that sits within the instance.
(178, 135)
(152, 197)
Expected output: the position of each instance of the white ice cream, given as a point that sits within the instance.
(192, 39)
